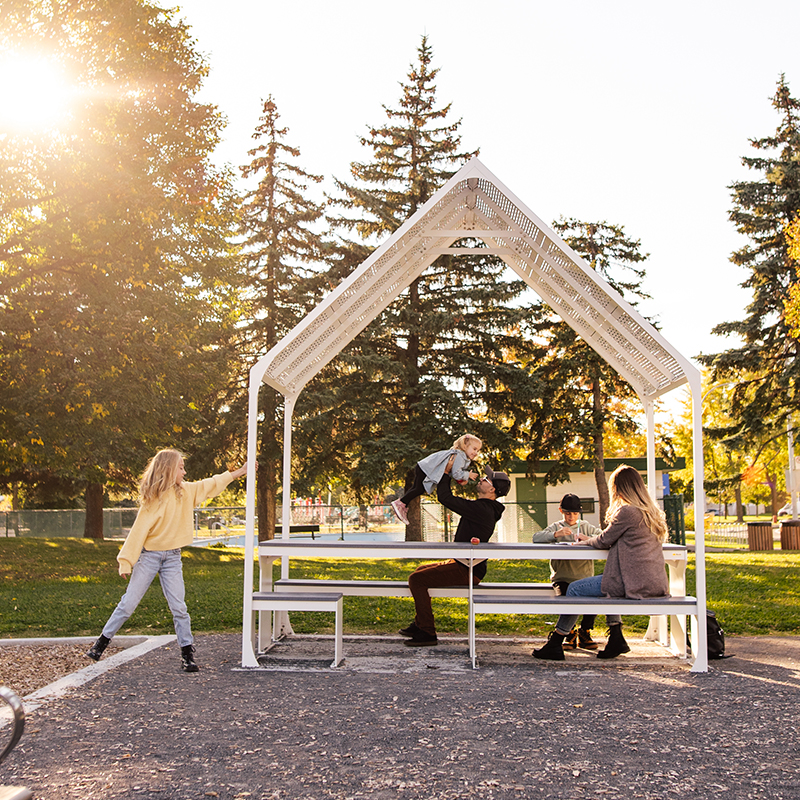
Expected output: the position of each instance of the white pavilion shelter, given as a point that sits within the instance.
(475, 204)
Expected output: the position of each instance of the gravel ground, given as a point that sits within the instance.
(400, 723)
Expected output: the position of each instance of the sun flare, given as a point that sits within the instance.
(34, 92)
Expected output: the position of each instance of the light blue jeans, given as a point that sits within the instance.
(585, 587)
(169, 568)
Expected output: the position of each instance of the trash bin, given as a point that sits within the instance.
(759, 536)
(790, 534)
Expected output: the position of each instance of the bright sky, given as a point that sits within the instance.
(634, 113)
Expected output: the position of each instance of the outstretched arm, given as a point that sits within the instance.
(241, 471)
(445, 494)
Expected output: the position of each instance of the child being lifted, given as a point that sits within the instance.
(429, 471)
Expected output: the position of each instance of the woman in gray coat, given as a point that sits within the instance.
(634, 568)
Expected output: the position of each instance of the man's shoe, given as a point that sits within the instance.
(187, 659)
(552, 651)
(98, 648)
(411, 630)
(585, 641)
(571, 642)
(421, 638)
(401, 511)
(616, 644)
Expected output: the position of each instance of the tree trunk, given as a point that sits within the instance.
(267, 499)
(739, 508)
(414, 527)
(93, 524)
(772, 482)
(270, 462)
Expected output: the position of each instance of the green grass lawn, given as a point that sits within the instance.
(68, 587)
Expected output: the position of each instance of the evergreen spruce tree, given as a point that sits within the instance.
(765, 363)
(436, 363)
(280, 245)
(585, 396)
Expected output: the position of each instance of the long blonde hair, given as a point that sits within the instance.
(462, 443)
(627, 488)
(159, 476)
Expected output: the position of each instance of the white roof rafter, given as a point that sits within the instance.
(474, 204)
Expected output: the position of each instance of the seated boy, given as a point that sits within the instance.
(563, 571)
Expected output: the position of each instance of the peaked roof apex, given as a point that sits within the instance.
(475, 204)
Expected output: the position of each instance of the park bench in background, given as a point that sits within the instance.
(312, 529)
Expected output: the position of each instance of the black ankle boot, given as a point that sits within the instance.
(97, 649)
(616, 644)
(187, 659)
(553, 650)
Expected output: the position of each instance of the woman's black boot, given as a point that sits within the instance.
(616, 644)
(553, 650)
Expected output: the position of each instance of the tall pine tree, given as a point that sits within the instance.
(764, 364)
(280, 247)
(437, 362)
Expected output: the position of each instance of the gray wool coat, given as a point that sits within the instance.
(635, 564)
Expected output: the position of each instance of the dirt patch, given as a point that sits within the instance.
(26, 668)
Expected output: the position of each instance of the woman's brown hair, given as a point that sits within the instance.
(627, 488)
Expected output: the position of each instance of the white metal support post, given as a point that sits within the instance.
(699, 646)
(250, 543)
(281, 623)
(657, 626)
(649, 410)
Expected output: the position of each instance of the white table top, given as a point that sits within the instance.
(434, 550)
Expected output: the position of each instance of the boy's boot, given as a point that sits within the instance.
(187, 659)
(553, 650)
(571, 640)
(97, 649)
(616, 644)
(585, 641)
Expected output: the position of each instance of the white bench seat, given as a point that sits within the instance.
(371, 588)
(306, 601)
(678, 608)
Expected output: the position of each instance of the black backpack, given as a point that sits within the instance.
(715, 637)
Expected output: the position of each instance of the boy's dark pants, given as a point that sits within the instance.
(434, 576)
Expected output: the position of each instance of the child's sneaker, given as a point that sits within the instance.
(401, 511)
(187, 659)
(98, 648)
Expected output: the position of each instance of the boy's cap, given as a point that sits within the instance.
(571, 502)
(500, 481)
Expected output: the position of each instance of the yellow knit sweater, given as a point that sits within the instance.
(168, 523)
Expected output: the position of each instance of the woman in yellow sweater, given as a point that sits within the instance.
(153, 545)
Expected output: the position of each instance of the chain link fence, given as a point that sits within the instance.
(216, 524)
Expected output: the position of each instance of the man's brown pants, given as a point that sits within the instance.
(434, 576)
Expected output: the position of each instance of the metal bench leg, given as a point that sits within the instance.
(337, 647)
